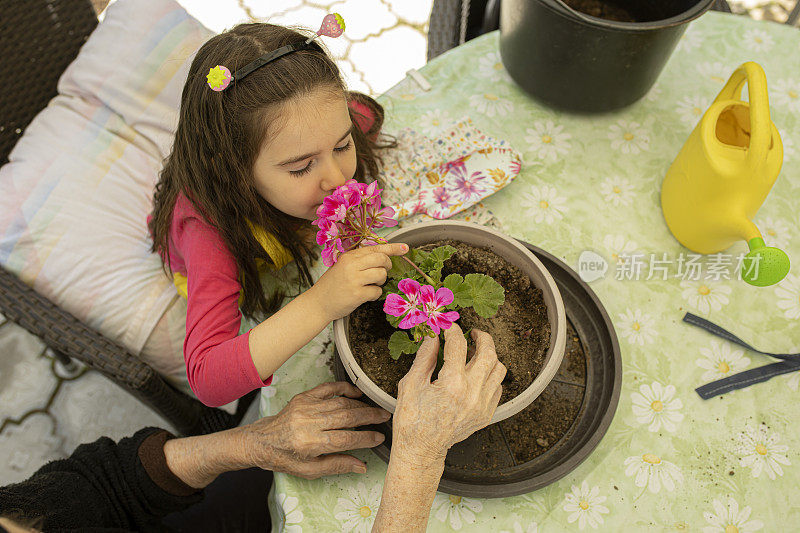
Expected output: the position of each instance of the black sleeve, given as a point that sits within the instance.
(101, 485)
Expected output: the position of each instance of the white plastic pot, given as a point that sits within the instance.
(510, 250)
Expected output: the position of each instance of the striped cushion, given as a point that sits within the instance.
(77, 189)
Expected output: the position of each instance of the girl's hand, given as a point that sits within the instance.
(355, 278)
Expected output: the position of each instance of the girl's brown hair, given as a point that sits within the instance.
(218, 138)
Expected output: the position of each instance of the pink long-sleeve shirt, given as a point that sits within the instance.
(219, 364)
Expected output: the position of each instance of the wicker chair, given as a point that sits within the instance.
(39, 39)
(454, 22)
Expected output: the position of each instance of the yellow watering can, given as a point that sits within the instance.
(722, 175)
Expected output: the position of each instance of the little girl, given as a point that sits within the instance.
(251, 163)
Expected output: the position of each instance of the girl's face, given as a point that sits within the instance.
(308, 154)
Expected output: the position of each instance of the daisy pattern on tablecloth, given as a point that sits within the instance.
(455, 509)
(629, 137)
(728, 518)
(690, 40)
(543, 204)
(691, 108)
(654, 94)
(653, 472)
(533, 527)
(785, 93)
(618, 247)
(357, 513)
(289, 516)
(714, 71)
(617, 191)
(705, 296)
(491, 66)
(760, 451)
(758, 40)
(585, 505)
(491, 104)
(655, 405)
(788, 293)
(434, 121)
(721, 361)
(637, 327)
(776, 232)
(547, 140)
(789, 150)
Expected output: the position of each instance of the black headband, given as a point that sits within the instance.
(272, 56)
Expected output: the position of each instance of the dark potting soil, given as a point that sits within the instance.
(535, 429)
(602, 9)
(520, 330)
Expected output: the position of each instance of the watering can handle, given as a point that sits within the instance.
(760, 123)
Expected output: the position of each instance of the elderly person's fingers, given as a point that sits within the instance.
(424, 362)
(485, 353)
(496, 376)
(339, 402)
(338, 440)
(329, 465)
(455, 349)
(327, 390)
(350, 418)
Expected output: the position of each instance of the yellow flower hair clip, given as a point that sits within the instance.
(219, 78)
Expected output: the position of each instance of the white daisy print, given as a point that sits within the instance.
(585, 506)
(269, 391)
(547, 140)
(434, 121)
(760, 451)
(716, 71)
(655, 405)
(705, 296)
(757, 40)
(721, 361)
(654, 94)
(491, 66)
(637, 327)
(619, 247)
(289, 515)
(776, 232)
(690, 40)
(691, 108)
(789, 150)
(788, 293)
(653, 472)
(490, 104)
(793, 380)
(543, 204)
(726, 519)
(357, 513)
(533, 527)
(617, 191)
(786, 93)
(628, 137)
(455, 509)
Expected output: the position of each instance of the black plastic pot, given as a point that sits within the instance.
(576, 62)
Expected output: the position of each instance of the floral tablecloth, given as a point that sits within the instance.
(670, 461)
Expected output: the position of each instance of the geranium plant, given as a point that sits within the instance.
(416, 298)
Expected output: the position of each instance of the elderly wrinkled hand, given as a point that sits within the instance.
(304, 438)
(431, 417)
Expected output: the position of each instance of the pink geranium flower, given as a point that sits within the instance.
(396, 305)
(433, 304)
(348, 218)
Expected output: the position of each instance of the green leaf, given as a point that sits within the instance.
(487, 295)
(400, 269)
(393, 320)
(400, 343)
(433, 262)
(462, 296)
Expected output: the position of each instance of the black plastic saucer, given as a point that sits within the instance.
(485, 465)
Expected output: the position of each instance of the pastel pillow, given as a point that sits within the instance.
(78, 186)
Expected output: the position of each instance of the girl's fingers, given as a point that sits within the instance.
(375, 260)
(373, 276)
(395, 248)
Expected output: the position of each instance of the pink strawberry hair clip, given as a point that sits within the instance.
(220, 77)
